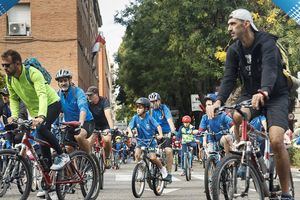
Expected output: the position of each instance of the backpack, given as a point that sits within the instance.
(33, 62)
(293, 82)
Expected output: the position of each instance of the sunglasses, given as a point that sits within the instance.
(6, 65)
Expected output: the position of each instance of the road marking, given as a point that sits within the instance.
(174, 179)
(123, 177)
(200, 177)
(166, 190)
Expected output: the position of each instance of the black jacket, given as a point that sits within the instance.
(266, 68)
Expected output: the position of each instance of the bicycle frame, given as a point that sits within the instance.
(48, 176)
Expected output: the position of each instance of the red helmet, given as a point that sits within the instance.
(186, 119)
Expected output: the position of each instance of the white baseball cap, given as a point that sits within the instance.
(243, 14)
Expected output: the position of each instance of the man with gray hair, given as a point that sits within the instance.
(256, 60)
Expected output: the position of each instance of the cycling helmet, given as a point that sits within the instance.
(4, 91)
(154, 96)
(63, 73)
(143, 101)
(211, 96)
(186, 119)
(118, 137)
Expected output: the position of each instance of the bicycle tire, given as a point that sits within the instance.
(158, 183)
(204, 158)
(187, 168)
(87, 162)
(97, 188)
(150, 173)
(13, 154)
(274, 176)
(176, 161)
(210, 167)
(234, 160)
(136, 193)
(101, 169)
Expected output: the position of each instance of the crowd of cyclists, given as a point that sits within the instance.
(89, 114)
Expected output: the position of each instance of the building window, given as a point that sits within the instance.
(19, 20)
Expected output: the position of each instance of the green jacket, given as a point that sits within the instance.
(36, 97)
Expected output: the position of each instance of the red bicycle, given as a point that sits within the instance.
(14, 166)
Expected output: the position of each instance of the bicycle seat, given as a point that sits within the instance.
(73, 124)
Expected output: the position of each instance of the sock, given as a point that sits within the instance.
(164, 172)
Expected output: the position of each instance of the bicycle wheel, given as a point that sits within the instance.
(81, 165)
(274, 181)
(138, 180)
(230, 180)
(210, 167)
(149, 175)
(176, 161)
(204, 157)
(158, 183)
(187, 167)
(97, 188)
(14, 170)
(101, 169)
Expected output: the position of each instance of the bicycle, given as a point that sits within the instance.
(80, 170)
(188, 161)
(176, 146)
(246, 164)
(146, 170)
(215, 154)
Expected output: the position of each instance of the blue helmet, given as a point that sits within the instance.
(211, 96)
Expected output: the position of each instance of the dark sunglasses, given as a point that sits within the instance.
(6, 65)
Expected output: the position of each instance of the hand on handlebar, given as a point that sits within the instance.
(159, 136)
(210, 110)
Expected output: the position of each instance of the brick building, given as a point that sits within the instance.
(60, 34)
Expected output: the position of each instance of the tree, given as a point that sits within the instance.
(176, 48)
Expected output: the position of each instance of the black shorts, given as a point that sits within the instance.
(89, 126)
(167, 142)
(275, 110)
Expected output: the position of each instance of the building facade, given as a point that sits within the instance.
(60, 34)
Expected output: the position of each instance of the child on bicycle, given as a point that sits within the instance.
(186, 132)
(217, 125)
(146, 127)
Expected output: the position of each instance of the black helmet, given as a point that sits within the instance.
(143, 101)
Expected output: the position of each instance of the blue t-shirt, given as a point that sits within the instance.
(216, 125)
(146, 127)
(73, 102)
(161, 115)
(256, 122)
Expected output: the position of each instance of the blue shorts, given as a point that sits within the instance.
(145, 143)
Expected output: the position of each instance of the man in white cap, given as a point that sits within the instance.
(256, 60)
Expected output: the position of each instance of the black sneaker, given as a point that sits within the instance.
(168, 178)
(286, 197)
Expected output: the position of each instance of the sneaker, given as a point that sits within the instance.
(168, 178)
(286, 197)
(182, 173)
(107, 163)
(60, 161)
(41, 194)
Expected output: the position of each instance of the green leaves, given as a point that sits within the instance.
(170, 45)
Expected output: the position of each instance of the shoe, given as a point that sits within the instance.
(41, 194)
(286, 197)
(182, 173)
(168, 178)
(60, 161)
(241, 173)
(107, 163)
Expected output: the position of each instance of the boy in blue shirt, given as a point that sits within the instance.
(218, 124)
(146, 127)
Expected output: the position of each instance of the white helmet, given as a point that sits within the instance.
(63, 73)
(154, 96)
